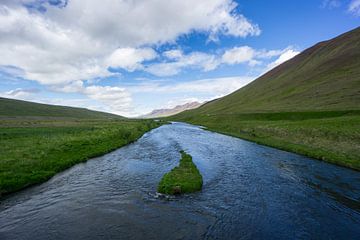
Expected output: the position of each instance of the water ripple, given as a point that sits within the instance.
(250, 192)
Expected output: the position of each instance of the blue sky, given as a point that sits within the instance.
(130, 57)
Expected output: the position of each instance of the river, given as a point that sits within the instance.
(250, 192)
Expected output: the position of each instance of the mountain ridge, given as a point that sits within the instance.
(166, 112)
(20, 108)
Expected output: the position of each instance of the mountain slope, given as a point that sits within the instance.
(308, 105)
(323, 77)
(165, 112)
(18, 108)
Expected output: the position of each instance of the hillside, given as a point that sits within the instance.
(18, 108)
(309, 104)
(323, 77)
(165, 112)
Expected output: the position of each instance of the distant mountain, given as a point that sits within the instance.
(19, 108)
(172, 111)
(323, 77)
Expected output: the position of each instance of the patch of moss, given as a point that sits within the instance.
(184, 178)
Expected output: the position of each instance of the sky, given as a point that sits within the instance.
(129, 57)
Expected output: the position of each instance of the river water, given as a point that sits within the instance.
(250, 192)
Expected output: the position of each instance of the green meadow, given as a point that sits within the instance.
(329, 136)
(33, 149)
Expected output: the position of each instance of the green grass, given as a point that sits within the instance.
(330, 136)
(18, 108)
(325, 77)
(32, 151)
(184, 178)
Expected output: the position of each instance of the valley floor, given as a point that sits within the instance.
(330, 136)
(35, 149)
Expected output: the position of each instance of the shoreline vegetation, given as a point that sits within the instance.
(185, 178)
(331, 136)
(34, 150)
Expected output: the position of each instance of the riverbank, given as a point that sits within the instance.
(34, 150)
(332, 136)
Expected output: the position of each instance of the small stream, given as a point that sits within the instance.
(250, 192)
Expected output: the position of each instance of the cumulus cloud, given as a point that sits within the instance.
(173, 54)
(130, 59)
(116, 98)
(77, 41)
(354, 7)
(67, 46)
(179, 61)
(238, 55)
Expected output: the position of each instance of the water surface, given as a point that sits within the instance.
(250, 192)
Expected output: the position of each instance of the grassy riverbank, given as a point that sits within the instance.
(332, 136)
(184, 178)
(35, 149)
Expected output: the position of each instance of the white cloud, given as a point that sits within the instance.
(253, 57)
(212, 86)
(287, 55)
(266, 54)
(175, 60)
(64, 48)
(196, 60)
(117, 99)
(44, 51)
(354, 7)
(238, 55)
(74, 43)
(173, 54)
(130, 59)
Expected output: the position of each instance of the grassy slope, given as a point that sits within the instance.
(184, 178)
(323, 77)
(34, 148)
(300, 106)
(18, 108)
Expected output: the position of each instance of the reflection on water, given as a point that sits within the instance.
(250, 191)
